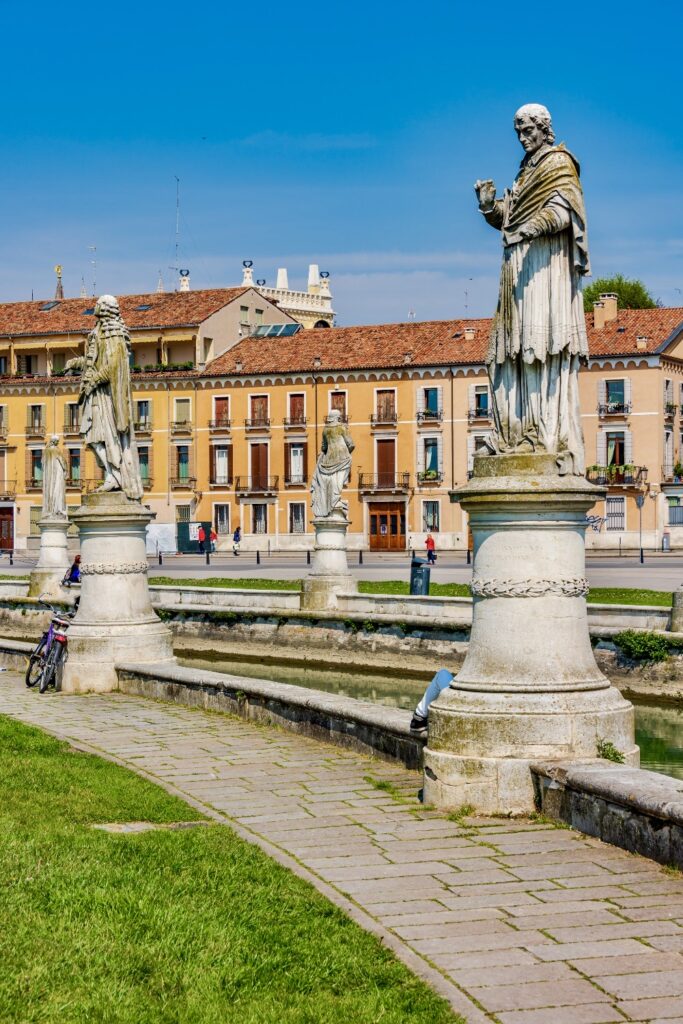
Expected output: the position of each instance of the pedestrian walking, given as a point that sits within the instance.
(201, 537)
(213, 537)
(431, 548)
(236, 540)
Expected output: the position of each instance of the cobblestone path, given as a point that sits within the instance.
(515, 921)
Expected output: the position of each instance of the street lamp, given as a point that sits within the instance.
(640, 501)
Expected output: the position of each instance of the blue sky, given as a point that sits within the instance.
(347, 134)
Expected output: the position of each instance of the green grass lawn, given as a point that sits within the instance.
(240, 583)
(173, 927)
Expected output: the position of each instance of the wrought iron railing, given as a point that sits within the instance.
(626, 476)
(256, 422)
(296, 479)
(478, 412)
(222, 423)
(430, 416)
(614, 408)
(383, 418)
(256, 484)
(384, 481)
(179, 483)
(294, 421)
(181, 426)
(430, 477)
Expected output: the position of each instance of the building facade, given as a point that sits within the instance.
(310, 308)
(235, 443)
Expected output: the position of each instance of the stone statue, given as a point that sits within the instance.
(538, 339)
(105, 397)
(333, 469)
(54, 480)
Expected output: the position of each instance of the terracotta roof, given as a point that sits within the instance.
(68, 316)
(429, 343)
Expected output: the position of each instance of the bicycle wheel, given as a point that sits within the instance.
(51, 662)
(36, 667)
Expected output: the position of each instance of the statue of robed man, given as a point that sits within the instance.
(538, 339)
(333, 468)
(105, 397)
(54, 480)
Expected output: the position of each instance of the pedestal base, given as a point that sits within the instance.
(53, 561)
(115, 620)
(529, 687)
(329, 574)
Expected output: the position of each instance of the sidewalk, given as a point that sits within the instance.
(515, 922)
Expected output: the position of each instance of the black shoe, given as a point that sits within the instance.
(418, 724)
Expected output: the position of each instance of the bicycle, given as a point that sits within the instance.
(49, 657)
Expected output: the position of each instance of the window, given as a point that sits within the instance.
(221, 411)
(221, 464)
(297, 517)
(430, 516)
(338, 402)
(143, 458)
(3, 365)
(258, 405)
(277, 330)
(3, 418)
(74, 465)
(431, 446)
(616, 513)
(72, 416)
(431, 400)
(259, 518)
(258, 317)
(143, 307)
(668, 393)
(616, 448)
(668, 452)
(481, 400)
(183, 462)
(476, 444)
(295, 463)
(183, 514)
(58, 362)
(27, 365)
(36, 466)
(615, 394)
(296, 409)
(182, 410)
(244, 314)
(144, 414)
(35, 514)
(386, 405)
(47, 306)
(221, 519)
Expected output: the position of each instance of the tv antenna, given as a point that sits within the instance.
(93, 264)
(467, 296)
(177, 217)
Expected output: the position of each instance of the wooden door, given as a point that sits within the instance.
(259, 466)
(6, 529)
(338, 401)
(259, 408)
(296, 408)
(386, 463)
(387, 526)
(221, 410)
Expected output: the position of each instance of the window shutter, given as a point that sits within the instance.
(627, 391)
(471, 401)
(420, 399)
(628, 447)
(601, 448)
(288, 462)
(304, 460)
(602, 391)
(470, 452)
(229, 463)
(439, 449)
(420, 454)
(213, 461)
(440, 398)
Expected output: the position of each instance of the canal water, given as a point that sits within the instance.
(659, 727)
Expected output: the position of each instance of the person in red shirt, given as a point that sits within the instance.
(213, 537)
(431, 546)
(201, 537)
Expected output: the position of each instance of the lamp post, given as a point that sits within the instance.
(640, 501)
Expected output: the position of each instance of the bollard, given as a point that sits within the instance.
(677, 612)
(11, 558)
(360, 557)
(469, 557)
(208, 558)
(161, 561)
(308, 558)
(258, 557)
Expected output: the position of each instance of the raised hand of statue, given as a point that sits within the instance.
(486, 193)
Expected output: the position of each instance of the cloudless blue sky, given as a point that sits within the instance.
(347, 134)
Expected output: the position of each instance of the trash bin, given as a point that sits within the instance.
(419, 577)
(666, 542)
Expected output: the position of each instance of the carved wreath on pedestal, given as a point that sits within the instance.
(568, 586)
(107, 568)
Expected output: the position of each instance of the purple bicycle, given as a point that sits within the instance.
(47, 660)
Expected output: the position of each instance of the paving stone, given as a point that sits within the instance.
(644, 985)
(591, 1013)
(638, 963)
(647, 1009)
(580, 950)
(600, 932)
(534, 995)
(517, 974)
(668, 943)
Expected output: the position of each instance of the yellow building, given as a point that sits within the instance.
(235, 443)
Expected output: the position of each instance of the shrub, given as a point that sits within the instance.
(643, 646)
(608, 752)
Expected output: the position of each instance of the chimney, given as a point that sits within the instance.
(282, 279)
(313, 279)
(238, 366)
(641, 343)
(605, 310)
(184, 281)
(407, 357)
(317, 362)
(469, 333)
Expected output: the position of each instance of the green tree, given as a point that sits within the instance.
(631, 294)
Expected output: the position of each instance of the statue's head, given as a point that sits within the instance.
(534, 126)
(106, 306)
(54, 440)
(334, 417)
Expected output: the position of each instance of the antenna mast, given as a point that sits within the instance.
(177, 217)
(93, 263)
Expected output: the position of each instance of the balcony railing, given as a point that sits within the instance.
(222, 423)
(181, 426)
(343, 416)
(670, 409)
(384, 418)
(34, 483)
(72, 427)
(430, 416)
(8, 490)
(220, 480)
(35, 429)
(3, 433)
(614, 408)
(73, 483)
(384, 481)
(183, 483)
(430, 478)
(478, 412)
(257, 423)
(147, 482)
(294, 421)
(296, 480)
(672, 474)
(625, 476)
(143, 426)
(256, 484)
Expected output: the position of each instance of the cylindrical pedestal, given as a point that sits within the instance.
(329, 573)
(529, 688)
(115, 620)
(53, 560)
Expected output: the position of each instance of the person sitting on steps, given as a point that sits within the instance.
(441, 681)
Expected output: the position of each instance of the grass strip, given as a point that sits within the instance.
(166, 927)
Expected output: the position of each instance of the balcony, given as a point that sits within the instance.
(143, 427)
(72, 427)
(343, 416)
(621, 476)
(294, 422)
(296, 480)
(479, 413)
(147, 483)
(384, 418)
(614, 409)
(429, 417)
(35, 429)
(3, 433)
(8, 490)
(222, 423)
(430, 478)
(257, 423)
(183, 483)
(670, 410)
(73, 483)
(393, 482)
(672, 474)
(181, 426)
(34, 483)
(220, 480)
(256, 484)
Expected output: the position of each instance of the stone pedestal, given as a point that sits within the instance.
(53, 560)
(329, 573)
(115, 620)
(529, 688)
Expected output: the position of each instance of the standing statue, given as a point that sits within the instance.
(333, 469)
(105, 397)
(538, 338)
(54, 480)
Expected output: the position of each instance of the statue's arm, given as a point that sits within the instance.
(75, 364)
(554, 217)
(494, 215)
(490, 207)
